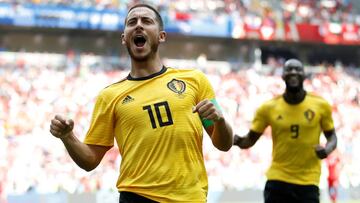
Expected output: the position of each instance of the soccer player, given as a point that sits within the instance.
(156, 116)
(297, 119)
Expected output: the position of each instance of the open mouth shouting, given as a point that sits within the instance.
(293, 80)
(139, 41)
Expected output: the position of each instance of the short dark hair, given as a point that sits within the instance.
(293, 62)
(158, 16)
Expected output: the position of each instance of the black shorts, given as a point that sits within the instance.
(129, 197)
(282, 192)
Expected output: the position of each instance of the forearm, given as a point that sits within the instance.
(243, 142)
(331, 144)
(222, 135)
(80, 153)
(247, 141)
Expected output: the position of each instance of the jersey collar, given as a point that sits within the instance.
(163, 70)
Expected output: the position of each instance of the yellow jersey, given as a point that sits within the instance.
(295, 130)
(158, 135)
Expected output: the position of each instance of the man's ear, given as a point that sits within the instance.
(122, 39)
(162, 36)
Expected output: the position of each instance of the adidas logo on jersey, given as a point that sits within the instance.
(279, 117)
(127, 99)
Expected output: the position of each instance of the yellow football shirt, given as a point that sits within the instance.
(295, 130)
(159, 138)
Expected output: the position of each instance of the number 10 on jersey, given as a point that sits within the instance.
(160, 120)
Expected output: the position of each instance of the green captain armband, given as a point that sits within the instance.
(206, 123)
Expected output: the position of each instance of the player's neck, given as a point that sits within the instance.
(145, 68)
(294, 97)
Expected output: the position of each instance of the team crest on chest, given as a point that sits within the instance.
(309, 114)
(177, 86)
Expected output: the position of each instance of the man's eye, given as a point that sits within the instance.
(131, 22)
(147, 21)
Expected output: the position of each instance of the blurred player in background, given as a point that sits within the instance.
(156, 115)
(297, 119)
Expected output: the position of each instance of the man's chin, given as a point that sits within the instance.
(143, 55)
(293, 89)
(138, 57)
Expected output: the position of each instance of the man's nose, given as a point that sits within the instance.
(293, 70)
(139, 24)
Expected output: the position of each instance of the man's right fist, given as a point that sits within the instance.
(61, 127)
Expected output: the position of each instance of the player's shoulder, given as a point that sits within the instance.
(270, 103)
(190, 71)
(191, 75)
(318, 100)
(316, 97)
(274, 100)
(277, 98)
(115, 84)
(114, 87)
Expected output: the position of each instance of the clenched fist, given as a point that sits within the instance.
(208, 110)
(61, 127)
(321, 151)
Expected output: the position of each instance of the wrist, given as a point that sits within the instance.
(219, 119)
(329, 148)
(236, 140)
(66, 136)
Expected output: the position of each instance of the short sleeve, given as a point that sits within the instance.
(206, 90)
(101, 131)
(327, 122)
(260, 122)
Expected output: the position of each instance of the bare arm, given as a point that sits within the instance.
(220, 132)
(248, 141)
(85, 156)
(331, 143)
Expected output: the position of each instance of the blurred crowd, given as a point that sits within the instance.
(34, 89)
(256, 11)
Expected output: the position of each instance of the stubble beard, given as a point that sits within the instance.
(151, 54)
